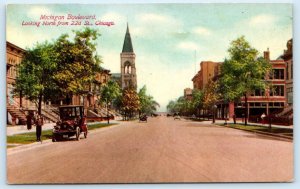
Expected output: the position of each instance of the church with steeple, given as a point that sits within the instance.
(127, 78)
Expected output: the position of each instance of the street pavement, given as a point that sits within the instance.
(163, 150)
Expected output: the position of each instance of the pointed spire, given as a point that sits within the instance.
(127, 45)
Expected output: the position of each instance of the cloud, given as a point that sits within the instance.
(262, 20)
(114, 17)
(202, 31)
(35, 12)
(160, 25)
(188, 45)
(156, 18)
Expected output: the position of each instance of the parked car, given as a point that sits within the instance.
(143, 118)
(176, 116)
(72, 123)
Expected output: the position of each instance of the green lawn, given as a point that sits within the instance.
(285, 131)
(28, 138)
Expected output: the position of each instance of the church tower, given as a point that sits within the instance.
(128, 70)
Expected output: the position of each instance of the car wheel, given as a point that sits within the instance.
(77, 133)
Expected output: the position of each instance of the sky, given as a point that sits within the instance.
(169, 40)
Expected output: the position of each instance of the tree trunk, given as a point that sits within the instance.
(246, 110)
(21, 96)
(40, 104)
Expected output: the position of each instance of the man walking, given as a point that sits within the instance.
(39, 123)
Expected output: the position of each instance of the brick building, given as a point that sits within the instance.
(271, 100)
(208, 70)
(288, 58)
(90, 96)
(15, 103)
(188, 93)
(268, 101)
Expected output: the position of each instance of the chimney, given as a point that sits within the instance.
(267, 55)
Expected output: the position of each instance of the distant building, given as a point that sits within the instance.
(188, 93)
(116, 77)
(208, 70)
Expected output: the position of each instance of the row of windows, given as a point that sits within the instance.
(12, 61)
(261, 104)
(277, 74)
(276, 90)
(12, 72)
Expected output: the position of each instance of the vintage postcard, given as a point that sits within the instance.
(149, 93)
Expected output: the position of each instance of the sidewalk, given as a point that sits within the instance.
(242, 123)
(19, 129)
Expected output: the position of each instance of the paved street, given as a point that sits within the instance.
(162, 150)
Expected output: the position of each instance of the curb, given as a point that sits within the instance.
(260, 132)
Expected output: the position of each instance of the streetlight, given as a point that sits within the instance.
(214, 113)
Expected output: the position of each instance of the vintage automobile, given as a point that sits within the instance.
(176, 116)
(72, 122)
(143, 118)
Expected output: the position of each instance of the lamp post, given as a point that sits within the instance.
(214, 113)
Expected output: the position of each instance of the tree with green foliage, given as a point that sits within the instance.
(130, 103)
(109, 93)
(171, 106)
(35, 76)
(243, 73)
(147, 104)
(197, 100)
(77, 62)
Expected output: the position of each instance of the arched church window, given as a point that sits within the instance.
(129, 69)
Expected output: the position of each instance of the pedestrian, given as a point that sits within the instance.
(263, 118)
(39, 123)
(29, 120)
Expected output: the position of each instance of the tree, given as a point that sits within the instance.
(171, 106)
(197, 100)
(130, 102)
(182, 106)
(243, 73)
(211, 97)
(108, 93)
(147, 104)
(35, 77)
(210, 94)
(77, 62)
